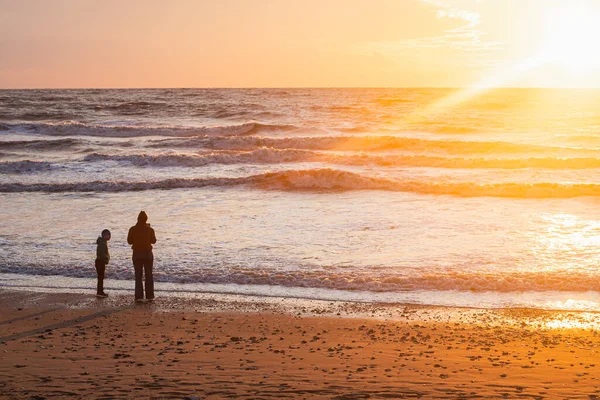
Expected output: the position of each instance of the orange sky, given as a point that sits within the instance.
(293, 43)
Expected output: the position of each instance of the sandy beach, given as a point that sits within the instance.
(58, 345)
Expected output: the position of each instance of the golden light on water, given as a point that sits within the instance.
(498, 79)
(567, 242)
(571, 229)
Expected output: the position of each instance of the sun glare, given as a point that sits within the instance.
(571, 33)
(570, 36)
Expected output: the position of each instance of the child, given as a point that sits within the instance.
(102, 258)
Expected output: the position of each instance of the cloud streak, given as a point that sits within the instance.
(444, 11)
(466, 40)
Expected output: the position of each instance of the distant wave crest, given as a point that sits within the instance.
(133, 106)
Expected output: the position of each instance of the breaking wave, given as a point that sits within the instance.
(25, 166)
(365, 143)
(72, 128)
(266, 155)
(349, 279)
(326, 180)
(260, 156)
(40, 144)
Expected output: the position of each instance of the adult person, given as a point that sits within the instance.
(141, 238)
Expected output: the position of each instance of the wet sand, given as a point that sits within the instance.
(58, 345)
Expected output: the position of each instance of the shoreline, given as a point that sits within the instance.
(77, 346)
(585, 302)
(208, 302)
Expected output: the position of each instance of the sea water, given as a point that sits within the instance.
(426, 196)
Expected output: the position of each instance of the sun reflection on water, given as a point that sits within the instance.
(567, 242)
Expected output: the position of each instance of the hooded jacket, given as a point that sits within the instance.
(141, 237)
(102, 250)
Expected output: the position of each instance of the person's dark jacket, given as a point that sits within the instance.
(102, 250)
(141, 237)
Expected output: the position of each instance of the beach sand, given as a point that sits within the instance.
(61, 345)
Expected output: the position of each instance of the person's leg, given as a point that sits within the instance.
(139, 269)
(148, 265)
(100, 267)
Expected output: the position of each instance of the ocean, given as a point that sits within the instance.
(426, 196)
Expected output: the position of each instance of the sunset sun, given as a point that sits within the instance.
(570, 34)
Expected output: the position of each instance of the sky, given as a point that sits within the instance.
(298, 43)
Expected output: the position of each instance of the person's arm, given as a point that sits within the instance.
(130, 236)
(106, 254)
(102, 252)
(152, 236)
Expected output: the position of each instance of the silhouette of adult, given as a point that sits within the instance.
(141, 238)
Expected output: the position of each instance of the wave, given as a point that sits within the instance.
(39, 144)
(123, 186)
(325, 180)
(81, 129)
(471, 162)
(454, 129)
(367, 281)
(260, 156)
(133, 106)
(580, 138)
(386, 101)
(276, 156)
(25, 166)
(39, 116)
(362, 143)
(348, 279)
(56, 98)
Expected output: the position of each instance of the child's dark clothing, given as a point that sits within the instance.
(102, 258)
